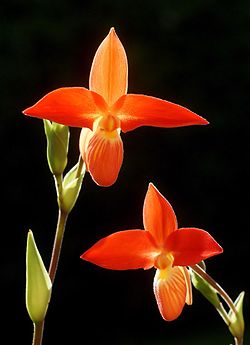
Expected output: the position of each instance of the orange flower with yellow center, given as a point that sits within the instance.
(161, 245)
(106, 109)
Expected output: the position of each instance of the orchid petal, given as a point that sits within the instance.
(103, 154)
(158, 216)
(189, 296)
(85, 136)
(123, 250)
(191, 245)
(170, 292)
(109, 71)
(139, 110)
(70, 106)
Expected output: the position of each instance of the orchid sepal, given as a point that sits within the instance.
(71, 187)
(237, 324)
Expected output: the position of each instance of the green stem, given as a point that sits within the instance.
(61, 223)
(215, 285)
(223, 294)
(60, 229)
(38, 333)
(59, 189)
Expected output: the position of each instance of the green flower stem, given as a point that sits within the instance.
(60, 229)
(62, 219)
(215, 285)
(223, 294)
(61, 224)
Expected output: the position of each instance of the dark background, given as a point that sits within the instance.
(194, 53)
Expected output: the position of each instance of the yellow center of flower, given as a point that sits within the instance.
(109, 123)
(108, 126)
(163, 261)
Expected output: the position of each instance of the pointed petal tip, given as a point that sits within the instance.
(112, 30)
(220, 249)
(216, 248)
(26, 111)
(199, 120)
(86, 255)
(152, 186)
(82, 256)
(204, 121)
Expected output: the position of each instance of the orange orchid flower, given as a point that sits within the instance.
(161, 245)
(106, 109)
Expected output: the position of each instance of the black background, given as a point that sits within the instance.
(194, 53)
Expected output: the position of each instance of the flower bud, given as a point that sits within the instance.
(57, 146)
(237, 326)
(71, 187)
(38, 283)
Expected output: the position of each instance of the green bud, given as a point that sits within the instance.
(57, 146)
(38, 283)
(237, 326)
(205, 288)
(71, 187)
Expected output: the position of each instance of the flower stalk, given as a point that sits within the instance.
(65, 202)
(61, 224)
(234, 318)
(38, 333)
(215, 285)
